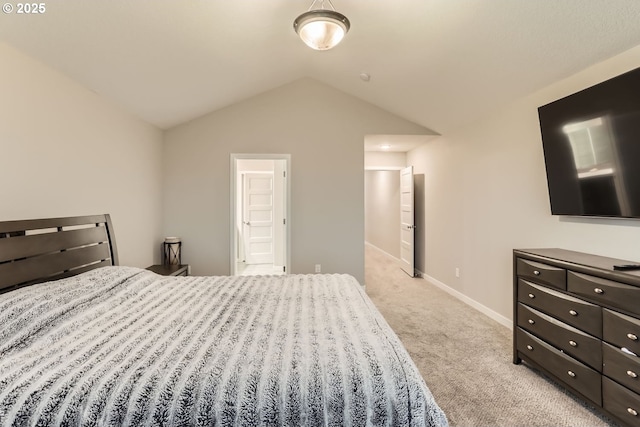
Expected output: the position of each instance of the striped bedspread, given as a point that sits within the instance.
(124, 346)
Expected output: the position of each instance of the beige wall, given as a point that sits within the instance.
(485, 193)
(66, 151)
(382, 210)
(323, 129)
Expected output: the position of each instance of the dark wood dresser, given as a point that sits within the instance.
(578, 320)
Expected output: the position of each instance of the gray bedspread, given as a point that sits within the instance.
(124, 346)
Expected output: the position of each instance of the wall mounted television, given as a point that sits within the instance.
(591, 143)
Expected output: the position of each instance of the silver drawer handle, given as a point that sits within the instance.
(532, 296)
(598, 291)
(632, 374)
(632, 412)
(573, 343)
(571, 374)
(573, 312)
(632, 337)
(529, 348)
(531, 321)
(536, 272)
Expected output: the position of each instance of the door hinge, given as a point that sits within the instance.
(284, 269)
(284, 221)
(284, 174)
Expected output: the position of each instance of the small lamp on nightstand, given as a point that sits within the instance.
(171, 251)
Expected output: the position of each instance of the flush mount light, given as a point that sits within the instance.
(385, 147)
(320, 28)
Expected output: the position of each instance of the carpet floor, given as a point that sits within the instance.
(466, 357)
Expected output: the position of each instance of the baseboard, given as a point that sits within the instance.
(508, 323)
(459, 295)
(387, 254)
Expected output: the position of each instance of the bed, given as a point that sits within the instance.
(84, 341)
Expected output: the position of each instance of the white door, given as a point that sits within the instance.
(258, 218)
(279, 214)
(407, 225)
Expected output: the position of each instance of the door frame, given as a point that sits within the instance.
(233, 247)
(407, 225)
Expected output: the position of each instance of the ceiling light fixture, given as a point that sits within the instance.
(320, 28)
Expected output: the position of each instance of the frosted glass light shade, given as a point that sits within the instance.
(321, 29)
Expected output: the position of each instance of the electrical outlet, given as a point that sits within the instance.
(318, 268)
(457, 272)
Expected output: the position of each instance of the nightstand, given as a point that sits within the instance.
(170, 270)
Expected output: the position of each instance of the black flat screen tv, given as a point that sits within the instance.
(591, 143)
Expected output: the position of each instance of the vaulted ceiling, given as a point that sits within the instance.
(438, 63)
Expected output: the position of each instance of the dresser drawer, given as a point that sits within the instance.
(572, 341)
(574, 374)
(621, 402)
(542, 273)
(608, 292)
(621, 367)
(621, 330)
(571, 310)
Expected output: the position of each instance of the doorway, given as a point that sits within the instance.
(382, 210)
(260, 205)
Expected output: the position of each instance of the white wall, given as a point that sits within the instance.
(384, 160)
(323, 129)
(66, 152)
(485, 193)
(382, 199)
(382, 210)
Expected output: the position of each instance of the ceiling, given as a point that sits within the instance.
(438, 63)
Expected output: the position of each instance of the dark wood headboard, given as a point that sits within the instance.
(37, 250)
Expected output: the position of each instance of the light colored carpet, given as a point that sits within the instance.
(466, 357)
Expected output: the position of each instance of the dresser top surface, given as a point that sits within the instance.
(581, 259)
